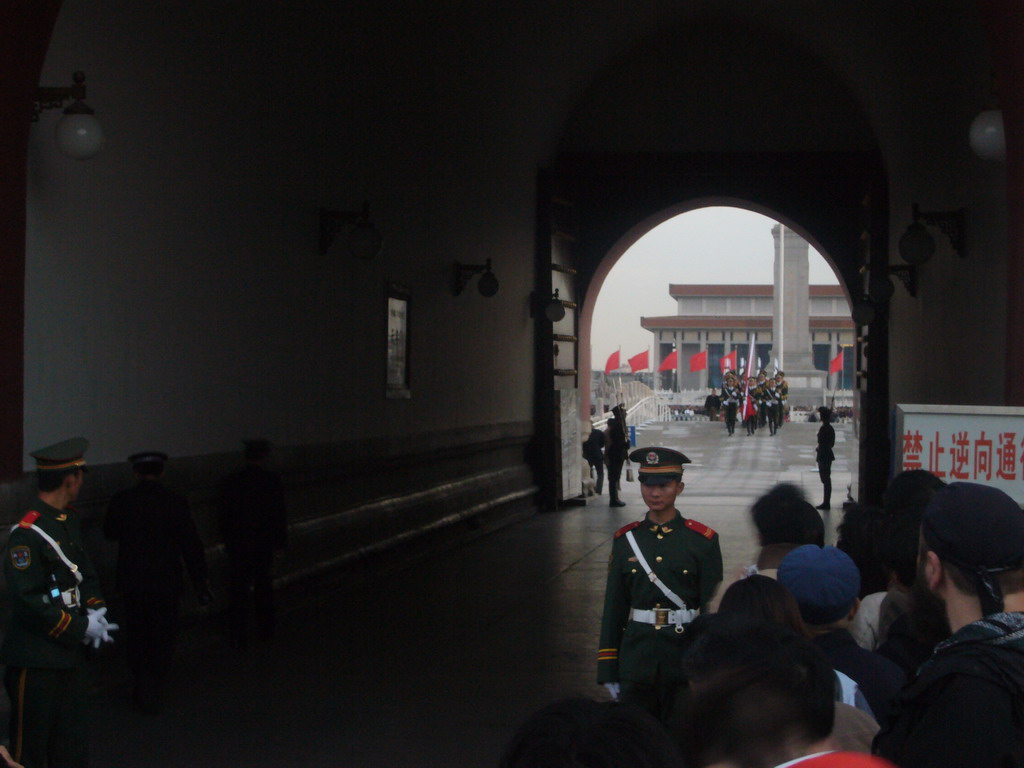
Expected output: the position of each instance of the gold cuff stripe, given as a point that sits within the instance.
(62, 625)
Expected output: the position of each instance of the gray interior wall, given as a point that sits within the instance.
(174, 290)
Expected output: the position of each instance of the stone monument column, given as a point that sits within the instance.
(791, 332)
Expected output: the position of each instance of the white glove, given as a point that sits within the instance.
(99, 628)
(613, 689)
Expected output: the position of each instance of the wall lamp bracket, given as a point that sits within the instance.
(54, 98)
(917, 245)
(907, 275)
(463, 273)
(364, 240)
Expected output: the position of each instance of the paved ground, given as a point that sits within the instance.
(435, 666)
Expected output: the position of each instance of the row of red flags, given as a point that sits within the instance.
(698, 362)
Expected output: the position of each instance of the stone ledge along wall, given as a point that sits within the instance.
(352, 506)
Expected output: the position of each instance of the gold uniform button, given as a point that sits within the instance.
(660, 536)
(634, 570)
(685, 572)
(657, 559)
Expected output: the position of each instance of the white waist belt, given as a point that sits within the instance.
(662, 617)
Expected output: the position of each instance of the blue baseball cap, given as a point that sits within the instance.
(824, 580)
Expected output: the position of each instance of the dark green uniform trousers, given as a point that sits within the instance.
(48, 716)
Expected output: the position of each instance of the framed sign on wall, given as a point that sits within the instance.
(398, 342)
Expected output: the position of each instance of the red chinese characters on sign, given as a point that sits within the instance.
(1007, 453)
(935, 451)
(964, 455)
(913, 447)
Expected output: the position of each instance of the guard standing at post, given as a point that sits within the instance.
(155, 533)
(645, 617)
(253, 525)
(56, 611)
(616, 448)
(824, 456)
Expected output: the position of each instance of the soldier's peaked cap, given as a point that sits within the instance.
(67, 454)
(659, 465)
(147, 457)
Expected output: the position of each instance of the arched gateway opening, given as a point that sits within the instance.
(593, 207)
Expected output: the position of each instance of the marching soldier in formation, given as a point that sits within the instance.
(56, 612)
(771, 400)
(782, 387)
(750, 422)
(645, 617)
(762, 398)
(731, 394)
(155, 533)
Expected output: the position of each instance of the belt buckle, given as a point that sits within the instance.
(660, 617)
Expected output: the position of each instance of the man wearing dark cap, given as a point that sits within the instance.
(662, 571)
(966, 705)
(253, 526)
(155, 533)
(56, 611)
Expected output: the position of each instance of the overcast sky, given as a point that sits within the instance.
(710, 245)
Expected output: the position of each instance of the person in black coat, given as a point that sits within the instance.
(824, 455)
(593, 452)
(253, 526)
(616, 448)
(155, 534)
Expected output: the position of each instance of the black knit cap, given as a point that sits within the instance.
(979, 529)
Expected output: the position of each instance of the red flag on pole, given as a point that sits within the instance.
(727, 362)
(670, 361)
(699, 362)
(613, 363)
(836, 363)
(749, 409)
(640, 362)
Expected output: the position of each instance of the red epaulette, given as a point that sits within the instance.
(626, 528)
(700, 528)
(29, 519)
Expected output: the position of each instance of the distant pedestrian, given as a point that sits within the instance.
(712, 404)
(593, 452)
(155, 533)
(616, 446)
(824, 455)
(253, 526)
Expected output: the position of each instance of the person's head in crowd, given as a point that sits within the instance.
(825, 583)
(898, 549)
(910, 491)
(860, 535)
(581, 733)
(760, 695)
(763, 598)
(971, 555)
(784, 516)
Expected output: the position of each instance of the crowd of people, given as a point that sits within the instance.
(902, 645)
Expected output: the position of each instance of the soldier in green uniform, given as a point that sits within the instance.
(644, 621)
(56, 611)
(782, 387)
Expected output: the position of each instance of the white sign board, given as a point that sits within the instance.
(972, 443)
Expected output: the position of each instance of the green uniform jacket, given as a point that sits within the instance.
(43, 632)
(686, 556)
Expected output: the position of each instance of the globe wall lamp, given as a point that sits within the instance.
(487, 284)
(552, 307)
(364, 240)
(79, 134)
(917, 245)
(987, 137)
